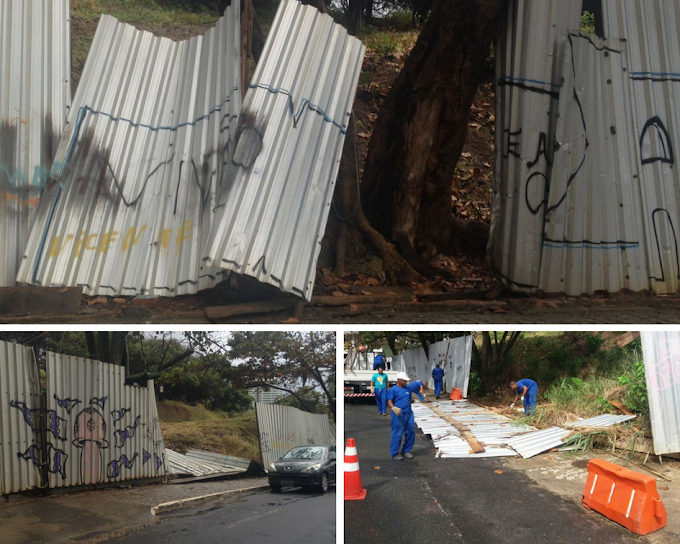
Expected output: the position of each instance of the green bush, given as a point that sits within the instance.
(475, 384)
(636, 388)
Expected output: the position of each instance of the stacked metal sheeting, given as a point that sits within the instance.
(492, 429)
(99, 429)
(594, 235)
(19, 419)
(202, 463)
(662, 372)
(528, 70)
(454, 356)
(281, 428)
(142, 158)
(35, 97)
(272, 213)
(605, 420)
(226, 462)
(651, 33)
(531, 444)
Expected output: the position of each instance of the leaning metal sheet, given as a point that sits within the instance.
(272, 213)
(35, 97)
(138, 169)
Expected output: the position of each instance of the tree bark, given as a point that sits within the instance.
(422, 128)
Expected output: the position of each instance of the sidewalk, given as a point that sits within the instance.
(95, 516)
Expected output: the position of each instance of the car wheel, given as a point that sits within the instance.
(323, 484)
(275, 488)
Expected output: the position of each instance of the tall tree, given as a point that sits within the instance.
(422, 127)
(493, 359)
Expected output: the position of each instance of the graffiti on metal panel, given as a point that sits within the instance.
(129, 432)
(114, 467)
(655, 136)
(265, 443)
(145, 456)
(56, 459)
(90, 436)
(117, 415)
(56, 425)
(101, 402)
(66, 404)
(160, 461)
(28, 413)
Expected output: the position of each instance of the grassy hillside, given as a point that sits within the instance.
(186, 427)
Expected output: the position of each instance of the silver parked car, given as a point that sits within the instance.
(304, 466)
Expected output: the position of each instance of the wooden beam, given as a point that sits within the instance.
(252, 308)
(622, 407)
(627, 338)
(462, 429)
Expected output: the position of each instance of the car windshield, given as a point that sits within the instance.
(305, 452)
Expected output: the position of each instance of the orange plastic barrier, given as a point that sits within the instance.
(629, 498)
(353, 489)
(456, 394)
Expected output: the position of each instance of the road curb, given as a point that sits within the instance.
(192, 501)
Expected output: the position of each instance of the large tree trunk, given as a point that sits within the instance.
(422, 127)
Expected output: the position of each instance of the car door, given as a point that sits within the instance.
(331, 466)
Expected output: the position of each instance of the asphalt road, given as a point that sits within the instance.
(460, 501)
(294, 516)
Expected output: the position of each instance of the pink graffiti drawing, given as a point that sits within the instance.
(664, 370)
(90, 432)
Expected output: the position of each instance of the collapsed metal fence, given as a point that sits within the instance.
(281, 428)
(586, 194)
(86, 427)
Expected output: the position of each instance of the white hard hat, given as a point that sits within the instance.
(402, 376)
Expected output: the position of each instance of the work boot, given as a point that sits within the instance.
(408, 455)
(398, 457)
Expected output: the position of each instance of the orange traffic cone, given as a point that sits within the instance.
(456, 394)
(353, 489)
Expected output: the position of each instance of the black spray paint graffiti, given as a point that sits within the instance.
(57, 425)
(125, 434)
(101, 402)
(56, 463)
(160, 461)
(113, 469)
(118, 415)
(654, 129)
(658, 216)
(28, 413)
(67, 404)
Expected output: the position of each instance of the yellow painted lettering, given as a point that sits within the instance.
(165, 238)
(79, 244)
(107, 239)
(184, 232)
(55, 247)
(88, 242)
(131, 239)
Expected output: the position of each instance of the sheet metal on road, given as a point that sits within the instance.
(428, 500)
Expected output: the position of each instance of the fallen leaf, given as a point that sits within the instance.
(63, 290)
(338, 294)
(353, 307)
(119, 300)
(365, 292)
(372, 282)
(376, 468)
(663, 487)
(326, 271)
(291, 321)
(498, 471)
(364, 135)
(466, 155)
(97, 300)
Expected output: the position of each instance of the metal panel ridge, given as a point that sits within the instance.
(661, 354)
(272, 214)
(35, 96)
(20, 451)
(137, 172)
(530, 444)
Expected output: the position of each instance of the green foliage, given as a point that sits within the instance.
(588, 22)
(313, 400)
(580, 396)
(594, 343)
(475, 384)
(636, 388)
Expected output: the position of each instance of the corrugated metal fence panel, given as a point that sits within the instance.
(593, 234)
(455, 356)
(272, 216)
(226, 462)
(140, 164)
(530, 444)
(661, 353)
(651, 31)
(282, 428)
(604, 420)
(19, 425)
(99, 429)
(35, 96)
(528, 67)
(415, 364)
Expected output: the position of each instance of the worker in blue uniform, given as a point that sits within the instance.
(379, 389)
(402, 420)
(379, 362)
(528, 390)
(438, 374)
